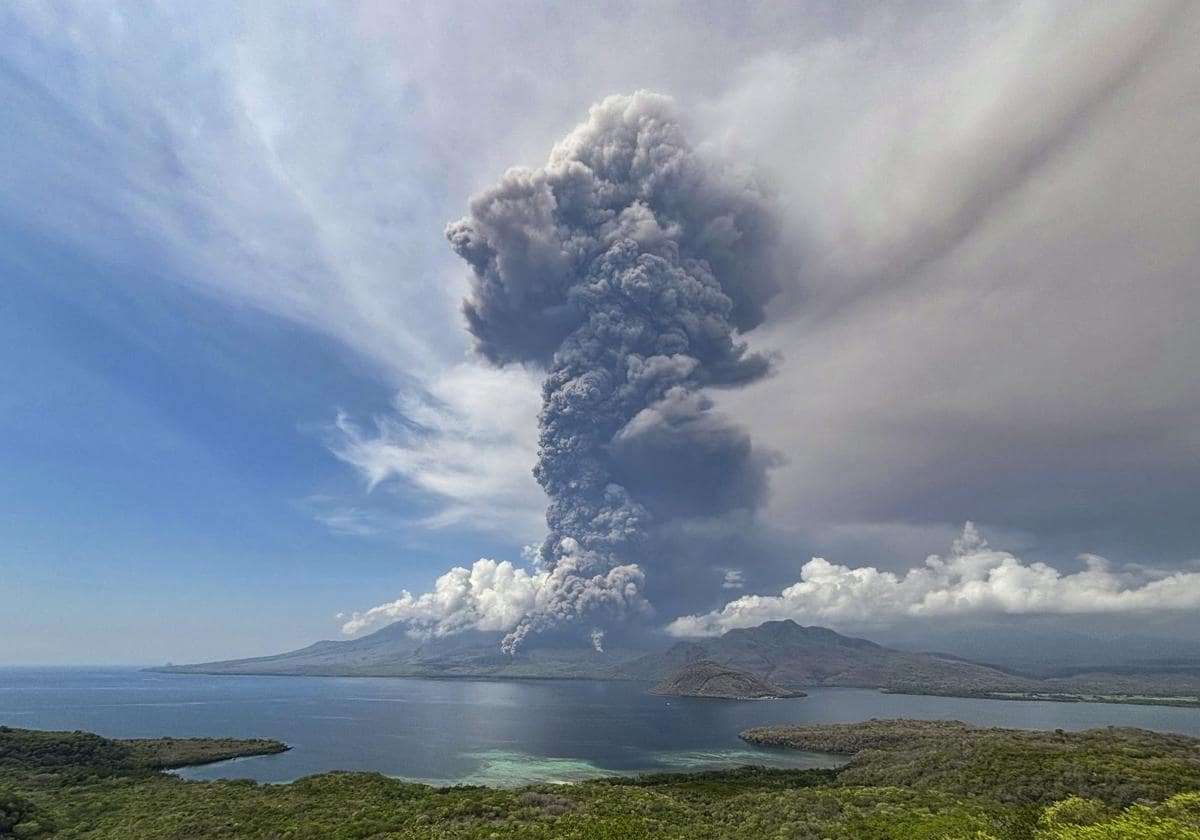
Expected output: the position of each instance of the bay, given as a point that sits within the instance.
(501, 733)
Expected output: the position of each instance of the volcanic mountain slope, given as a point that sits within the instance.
(791, 656)
(708, 679)
(393, 652)
(781, 653)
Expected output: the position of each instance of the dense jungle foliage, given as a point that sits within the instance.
(905, 781)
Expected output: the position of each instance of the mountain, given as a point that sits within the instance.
(392, 652)
(708, 679)
(791, 656)
(781, 653)
(1039, 649)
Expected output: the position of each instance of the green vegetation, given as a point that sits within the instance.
(906, 780)
(21, 818)
(167, 753)
(1116, 766)
(82, 755)
(1080, 819)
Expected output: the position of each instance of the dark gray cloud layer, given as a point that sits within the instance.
(996, 211)
(627, 266)
(1001, 285)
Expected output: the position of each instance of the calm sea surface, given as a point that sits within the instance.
(485, 732)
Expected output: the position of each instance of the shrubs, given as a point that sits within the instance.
(908, 782)
(1078, 819)
(1117, 766)
(549, 803)
(163, 753)
(20, 818)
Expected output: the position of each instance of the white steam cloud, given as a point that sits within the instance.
(497, 596)
(488, 596)
(974, 579)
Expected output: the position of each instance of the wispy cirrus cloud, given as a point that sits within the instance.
(347, 519)
(466, 446)
(213, 157)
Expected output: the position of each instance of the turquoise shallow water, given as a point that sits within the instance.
(509, 768)
(486, 732)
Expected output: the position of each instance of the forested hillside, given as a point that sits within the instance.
(906, 781)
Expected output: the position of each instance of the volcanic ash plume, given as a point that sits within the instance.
(626, 267)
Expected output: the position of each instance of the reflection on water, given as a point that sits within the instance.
(486, 732)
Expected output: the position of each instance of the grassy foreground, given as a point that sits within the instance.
(906, 780)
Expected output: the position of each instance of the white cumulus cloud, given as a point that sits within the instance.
(974, 579)
(496, 596)
(490, 595)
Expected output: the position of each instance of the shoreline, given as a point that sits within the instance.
(1172, 701)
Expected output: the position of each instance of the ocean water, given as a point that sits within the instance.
(490, 732)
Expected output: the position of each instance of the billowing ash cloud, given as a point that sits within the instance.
(975, 579)
(626, 267)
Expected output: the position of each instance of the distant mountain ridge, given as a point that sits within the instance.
(792, 656)
(781, 653)
(392, 652)
(1036, 650)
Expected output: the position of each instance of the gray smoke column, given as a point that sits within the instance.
(626, 267)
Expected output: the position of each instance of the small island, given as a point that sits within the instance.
(706, 678)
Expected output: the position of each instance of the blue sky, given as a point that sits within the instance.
(238, 398)
(164, 461)
(194, 291)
